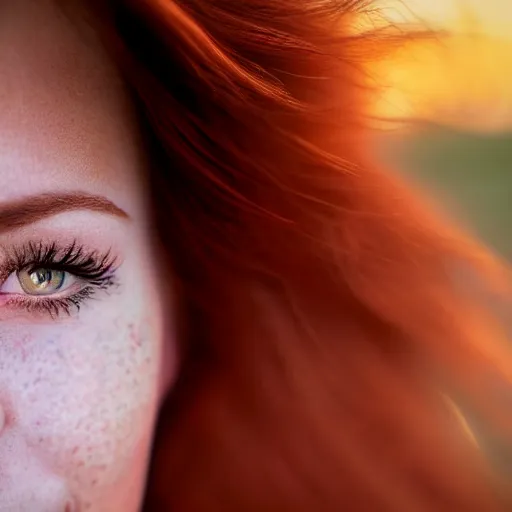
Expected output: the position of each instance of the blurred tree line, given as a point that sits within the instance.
(470, 173)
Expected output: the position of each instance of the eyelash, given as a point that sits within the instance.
(95, 270)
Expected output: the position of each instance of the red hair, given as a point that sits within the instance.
(323, 318)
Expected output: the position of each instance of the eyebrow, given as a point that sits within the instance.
(28, 210)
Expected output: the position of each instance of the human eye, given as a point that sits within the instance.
(53, 280)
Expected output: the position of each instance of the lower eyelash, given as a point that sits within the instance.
(54, 307)
(95, 271)
(57, 306)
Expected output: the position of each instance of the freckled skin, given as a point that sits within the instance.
(81, 411)
(78, 395)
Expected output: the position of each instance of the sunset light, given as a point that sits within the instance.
(464, 78)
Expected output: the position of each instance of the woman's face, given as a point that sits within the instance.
(82, 308)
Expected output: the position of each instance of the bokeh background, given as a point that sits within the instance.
(444, 111)
(447, 103)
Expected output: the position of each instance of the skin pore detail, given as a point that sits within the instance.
(320, 318)
(79, 389)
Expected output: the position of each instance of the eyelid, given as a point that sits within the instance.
(91, 270)
(73, 257)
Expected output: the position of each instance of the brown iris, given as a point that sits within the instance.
(41, 281)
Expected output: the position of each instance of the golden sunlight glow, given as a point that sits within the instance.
(464, 78)
(490, 17)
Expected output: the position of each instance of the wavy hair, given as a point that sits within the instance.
(324, 320)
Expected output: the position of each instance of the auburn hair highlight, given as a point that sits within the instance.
(329, 314)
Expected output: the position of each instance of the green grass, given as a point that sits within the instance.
(470, 172)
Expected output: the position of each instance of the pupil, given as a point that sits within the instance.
(41, 277)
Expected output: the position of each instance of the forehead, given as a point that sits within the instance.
(64, 110)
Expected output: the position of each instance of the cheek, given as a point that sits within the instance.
(85, 406)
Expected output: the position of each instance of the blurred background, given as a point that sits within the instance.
(444, 117)
(448, 108)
